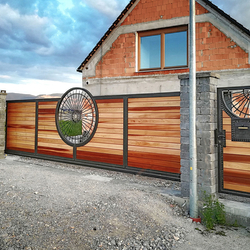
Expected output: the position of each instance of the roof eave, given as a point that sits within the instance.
(228, 17)
(111, 28)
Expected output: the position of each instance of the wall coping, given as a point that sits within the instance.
(3, 92)
(200, 75)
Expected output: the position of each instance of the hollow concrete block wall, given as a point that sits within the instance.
(206, 110)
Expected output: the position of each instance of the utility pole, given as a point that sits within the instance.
(192, 116)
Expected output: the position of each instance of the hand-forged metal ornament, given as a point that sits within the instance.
(76, 117)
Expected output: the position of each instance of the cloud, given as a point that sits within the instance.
(38, 87)
(36, 80)
(22, 28)
(109, 8)
(5, 77)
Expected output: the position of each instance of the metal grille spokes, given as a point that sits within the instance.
(238, 102)
(76, 117)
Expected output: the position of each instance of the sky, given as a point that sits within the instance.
(42, 42)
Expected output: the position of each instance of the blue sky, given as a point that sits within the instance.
(42, 42)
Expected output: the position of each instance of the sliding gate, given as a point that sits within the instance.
(233, 138)
(135, 133)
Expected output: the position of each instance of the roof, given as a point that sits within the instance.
(130, 5)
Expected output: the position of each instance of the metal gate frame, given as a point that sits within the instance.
(125, 168)
(220, 140)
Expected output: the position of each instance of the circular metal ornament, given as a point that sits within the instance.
(76, 117)
(237, 102)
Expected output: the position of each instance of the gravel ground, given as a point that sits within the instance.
(48, 205)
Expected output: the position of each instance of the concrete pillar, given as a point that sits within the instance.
(207, 167)
(2, 122)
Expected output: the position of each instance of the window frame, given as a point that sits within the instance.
(161, 32)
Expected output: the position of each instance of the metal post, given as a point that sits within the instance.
(192, 116)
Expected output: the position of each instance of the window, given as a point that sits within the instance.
(162, 49)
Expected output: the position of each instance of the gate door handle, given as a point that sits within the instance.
(220, 138)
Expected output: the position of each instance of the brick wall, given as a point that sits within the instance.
(2, 122)
(151, 10)
(120, 60)
(214, 51)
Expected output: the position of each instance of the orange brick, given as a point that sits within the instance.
(216, 52)
(179, 8)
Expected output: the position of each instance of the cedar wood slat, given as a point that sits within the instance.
(19, 119)
(25, 143)
(155, 104)
(236, 156)
(20, 115)
(173, 133)
(155, 156)
(161, 120)
(49, 142)
(21, 137)
(153, 133)
(236, 165)
(55, 152)
(237, 151)
(153, 138)
(154, 150)
(155, 162)
(111, 136)
(237, 187)
(107, 125)
(158, 127)
(21, 149)
(237, 180)
(155, 109)
(154, 99)
(144, 117)
(100, 157)
(152, 166)
(100, 150)
(110, 121)
(20, 125)
(21, 132)
(107, 144)
(237, 173)
(155, 144)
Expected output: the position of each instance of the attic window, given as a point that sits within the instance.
(163, 49)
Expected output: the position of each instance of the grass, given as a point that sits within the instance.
(70, 128)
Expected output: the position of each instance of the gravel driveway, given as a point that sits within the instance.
(49, 205)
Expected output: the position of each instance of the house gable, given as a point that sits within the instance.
(151, 10)
(220, 44)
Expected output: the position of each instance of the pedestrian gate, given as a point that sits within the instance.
(233, 139)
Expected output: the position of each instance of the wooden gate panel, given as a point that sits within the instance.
(154, 133)
(49, 142)
(107, 144)
(21, 126)
(236, 161)
(141, 132)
